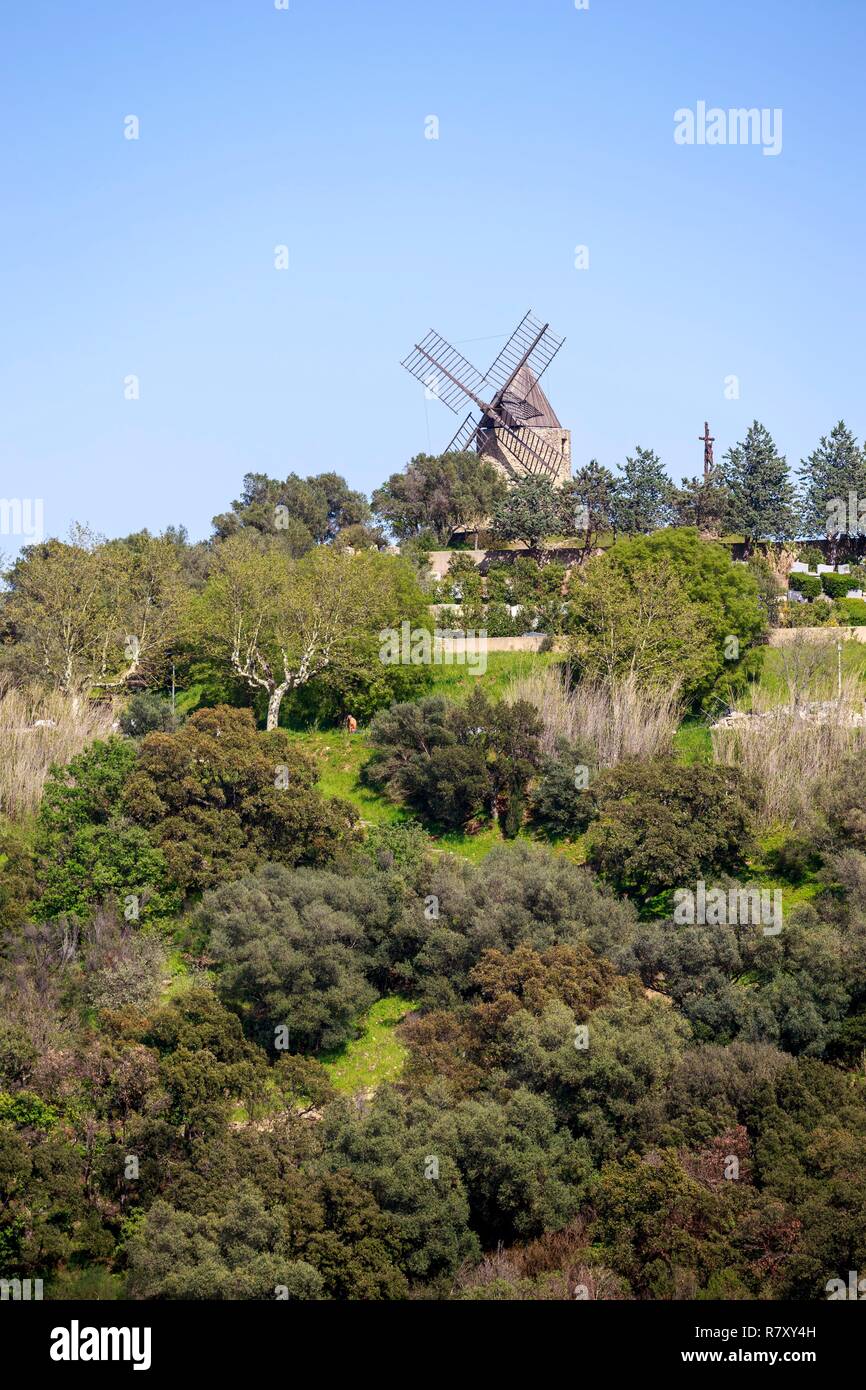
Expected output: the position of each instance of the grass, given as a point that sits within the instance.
(693, 742)
(455, 683)
(377, 1055)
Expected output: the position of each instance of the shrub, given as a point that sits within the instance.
(86, 850)
(817, 614)
(561, 803)
(851, 611)
(453, 763)
(290, 950)
(809, 585)
(661, 824)
(148, 713)
(218, 796)
(836, 585)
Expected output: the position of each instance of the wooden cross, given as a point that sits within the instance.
(708, 440)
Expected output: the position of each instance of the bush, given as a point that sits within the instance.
(836, 585)
(809, 585)
(561, 803)
(290, 950)
(453, 763)
(661, 825)
(851, 611)
(148, 713)
(86, 850)
(218, 796)
(816, 614)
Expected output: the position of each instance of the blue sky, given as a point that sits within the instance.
(306, 128)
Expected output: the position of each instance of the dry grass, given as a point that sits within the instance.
(27, 751)
(619, 720)
(792, 743)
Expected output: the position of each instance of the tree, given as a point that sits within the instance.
(278, 623)
(217, 797)
(593, 492)
(452, 763)
(529, 511)
(716, 617)
(702, 503)
(291, 950)
(662, 825)
(640, 623)
(87, 850)
(442, 493)
(761, 498)
(88, 613)
(297, 512)
(833, 470)
(644, 499)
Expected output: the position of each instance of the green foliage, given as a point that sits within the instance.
(561, 803)
(23, 1110)
(217, 796)
(761, 500)
(809, 585)
(833, 469)
(836, 585)
(148, 713)
(529, 511)
(645, 493)
(454, 763)
(666, 606)
(289, 951)
(661, 825)
(441, 493)
(87, 850)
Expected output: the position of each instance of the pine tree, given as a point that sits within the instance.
(702, 502)
(836, 468)
(645, 494)
(761, 496)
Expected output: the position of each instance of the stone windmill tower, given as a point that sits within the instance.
(512, 422)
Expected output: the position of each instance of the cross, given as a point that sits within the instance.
(708, 440)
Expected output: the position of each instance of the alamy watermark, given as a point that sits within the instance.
(417, 646)
(738, 126)
(732, 907)
(23, 516)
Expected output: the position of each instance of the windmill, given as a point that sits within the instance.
(511, 421)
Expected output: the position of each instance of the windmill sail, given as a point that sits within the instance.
(531, 345)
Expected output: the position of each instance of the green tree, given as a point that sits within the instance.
(90, 613)
(442, 493)
(834, 469)
(529, 511)
(217, 797)
(761, 497)
(644, 499)
(663, 825)
(592, 495)
(278, 623)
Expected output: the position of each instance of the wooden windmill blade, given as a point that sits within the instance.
(531, 345)
(468, 436)
(445, 372)
(530, 450)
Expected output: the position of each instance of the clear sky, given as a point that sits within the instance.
(305, 127)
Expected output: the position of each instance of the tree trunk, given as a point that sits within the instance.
(275, 699)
